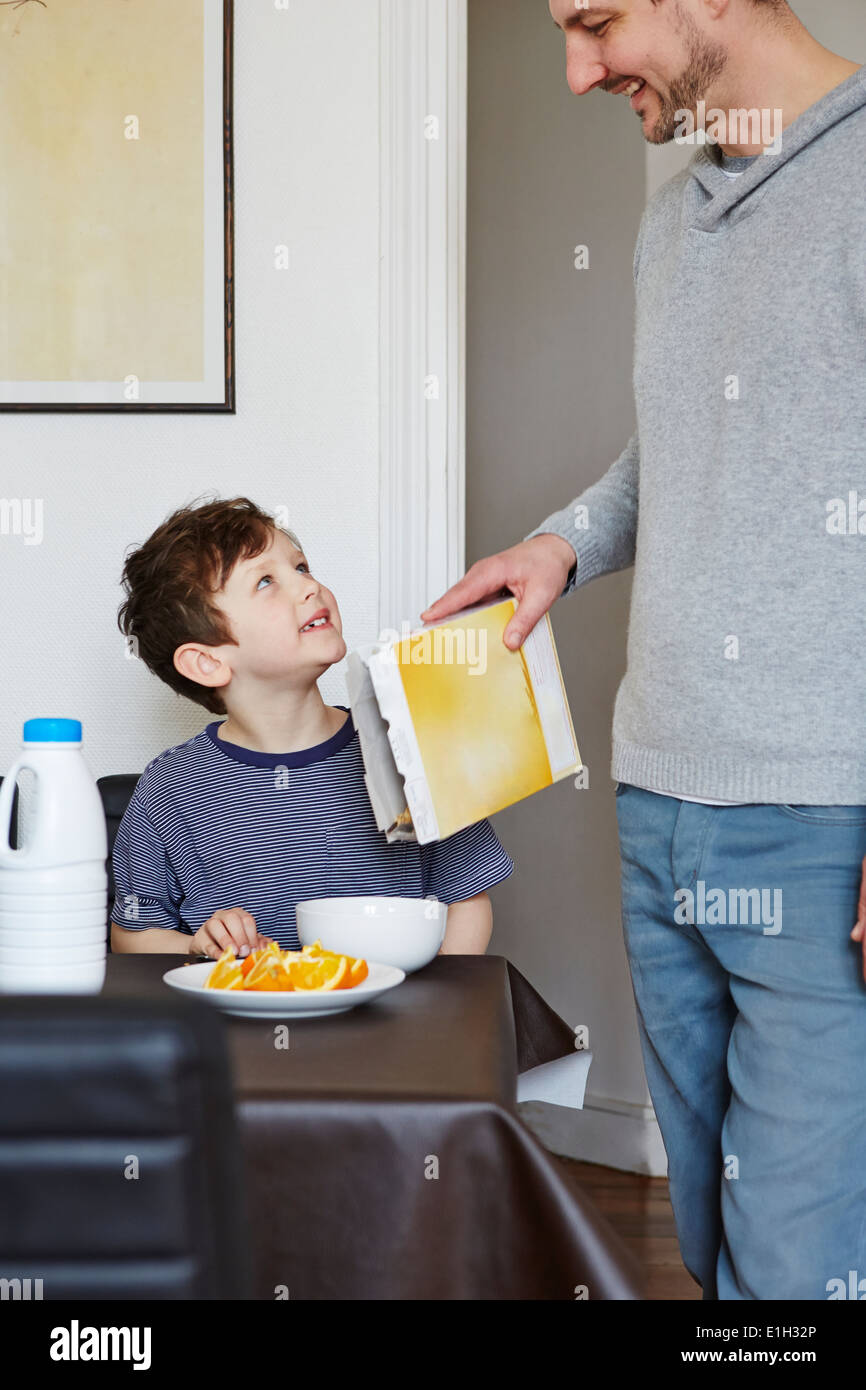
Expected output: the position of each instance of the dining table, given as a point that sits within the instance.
(384, 1154)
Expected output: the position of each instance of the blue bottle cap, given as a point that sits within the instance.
(52, 731)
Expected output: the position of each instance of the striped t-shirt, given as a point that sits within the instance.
(211, 825)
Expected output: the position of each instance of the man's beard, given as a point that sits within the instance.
(706, 61)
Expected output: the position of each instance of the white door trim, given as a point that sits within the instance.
(423, 61)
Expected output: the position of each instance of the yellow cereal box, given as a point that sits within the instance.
(454, 726)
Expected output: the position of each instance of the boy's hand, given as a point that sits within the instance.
(230, 928)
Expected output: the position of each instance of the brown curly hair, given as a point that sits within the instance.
(170, 580)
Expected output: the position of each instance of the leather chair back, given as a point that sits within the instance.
(116, 791)
(121, 1164)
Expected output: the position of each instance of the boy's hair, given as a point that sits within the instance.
(170, 580)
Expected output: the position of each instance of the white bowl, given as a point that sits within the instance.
(42, 938)
(52, 979)
(406, 932)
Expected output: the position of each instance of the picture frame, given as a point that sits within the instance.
(116, 206)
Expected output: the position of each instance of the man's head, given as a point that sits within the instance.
(218, 602)
(678, 50)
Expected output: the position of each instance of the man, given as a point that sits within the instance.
(738, 735)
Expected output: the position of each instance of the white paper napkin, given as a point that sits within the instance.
(560, 1082)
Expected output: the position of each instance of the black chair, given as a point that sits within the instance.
(121, 1165)
(116, 792)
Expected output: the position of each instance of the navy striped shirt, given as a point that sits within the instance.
(211, 825)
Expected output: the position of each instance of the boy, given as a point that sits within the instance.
(226, 833)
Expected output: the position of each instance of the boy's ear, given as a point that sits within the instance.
(197, 664)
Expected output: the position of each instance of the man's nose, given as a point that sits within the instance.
(583, 75)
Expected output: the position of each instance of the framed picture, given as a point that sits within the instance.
(116, 205)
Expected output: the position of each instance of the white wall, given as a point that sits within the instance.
(305, 434)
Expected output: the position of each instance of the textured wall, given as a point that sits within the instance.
(305, 435)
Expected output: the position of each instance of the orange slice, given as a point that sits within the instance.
(274, 977)
(320, 975)
(319, 955)
(339, 976)
(224, 972)
(317, 949)
(227, 979)
(358, 971)
(250, 961)
(304, 974)
(259, 970)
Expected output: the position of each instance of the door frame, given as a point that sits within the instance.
(422, 303)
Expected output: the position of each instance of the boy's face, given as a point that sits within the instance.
(269, 601)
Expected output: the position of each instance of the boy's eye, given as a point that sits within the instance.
(269, 577)
(599, 29)
(302, 565)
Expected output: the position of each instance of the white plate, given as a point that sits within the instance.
(292, 1003)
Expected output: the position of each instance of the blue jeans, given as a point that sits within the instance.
(752, 1015)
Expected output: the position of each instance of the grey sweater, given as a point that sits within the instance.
(741, 498)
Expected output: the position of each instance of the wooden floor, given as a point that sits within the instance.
(639, 1210)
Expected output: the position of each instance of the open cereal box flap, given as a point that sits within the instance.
(383, 780)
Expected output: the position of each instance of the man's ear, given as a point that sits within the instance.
(200, 665)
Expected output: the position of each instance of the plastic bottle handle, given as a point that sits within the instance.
(7, 795)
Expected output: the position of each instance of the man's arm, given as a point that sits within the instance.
(595, 534)
(468, 928)
(600, 524)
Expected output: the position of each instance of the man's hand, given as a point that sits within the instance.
(859, 932)
(535, 571)
(230, 928)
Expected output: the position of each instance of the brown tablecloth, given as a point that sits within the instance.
(384, 1153)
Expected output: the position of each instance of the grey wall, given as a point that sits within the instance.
(549, 406)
